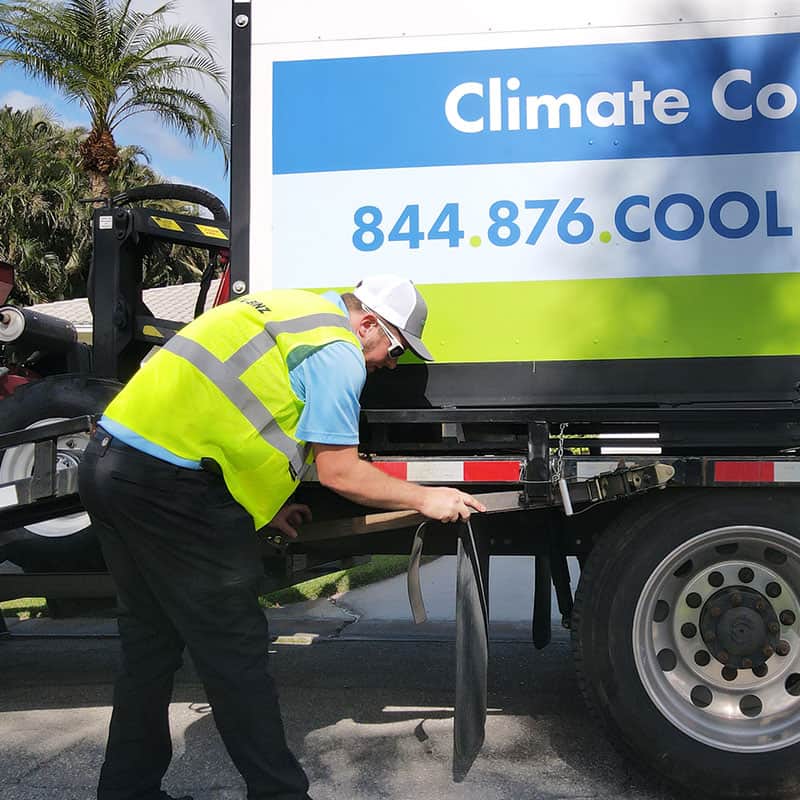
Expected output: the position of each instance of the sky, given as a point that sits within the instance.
(172, 156)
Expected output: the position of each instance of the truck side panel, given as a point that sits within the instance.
(635, 175)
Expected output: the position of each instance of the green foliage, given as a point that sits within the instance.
(24, 607)
(45, 229)
(378, 568)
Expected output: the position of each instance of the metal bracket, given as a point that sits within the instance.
(621, 483)
(49, 491)
(537, 470)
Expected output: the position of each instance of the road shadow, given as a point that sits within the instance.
(384, 729)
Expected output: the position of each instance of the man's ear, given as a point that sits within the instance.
(366, 324)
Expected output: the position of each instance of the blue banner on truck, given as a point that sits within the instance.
(571, 103)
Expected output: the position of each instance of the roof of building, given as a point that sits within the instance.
(168, 302)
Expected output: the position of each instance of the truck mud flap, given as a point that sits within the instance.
(472, 647)
(472, 638)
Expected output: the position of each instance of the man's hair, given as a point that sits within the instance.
(351, 301)
(354, 304)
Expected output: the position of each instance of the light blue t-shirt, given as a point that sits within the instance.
(329, 382)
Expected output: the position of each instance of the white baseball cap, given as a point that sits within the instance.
(398, 301)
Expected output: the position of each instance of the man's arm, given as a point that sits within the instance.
(340, 469)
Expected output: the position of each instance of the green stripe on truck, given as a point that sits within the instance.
(674, 317)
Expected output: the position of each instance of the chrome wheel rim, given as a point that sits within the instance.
(716, 638)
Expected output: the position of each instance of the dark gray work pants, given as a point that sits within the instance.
(185, 560)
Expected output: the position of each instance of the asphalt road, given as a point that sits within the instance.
(367, 703)
(368, 719)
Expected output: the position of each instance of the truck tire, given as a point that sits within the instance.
(64, 544)
(686, 637)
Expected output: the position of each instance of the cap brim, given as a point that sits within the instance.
(415, 344)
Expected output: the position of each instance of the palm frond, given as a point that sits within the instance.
(175, 70)
(184, 110)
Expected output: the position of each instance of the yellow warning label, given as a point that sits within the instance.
(167, 224)
(297, 638)
(212, 232)
(150, 330)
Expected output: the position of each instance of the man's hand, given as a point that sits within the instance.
(289, 518)
(449, 505)
(339, 468)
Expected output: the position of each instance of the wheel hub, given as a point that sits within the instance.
(740, 627)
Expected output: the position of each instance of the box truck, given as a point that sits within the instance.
(598, 201)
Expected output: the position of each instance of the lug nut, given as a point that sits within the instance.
(773, 589)
(729, 673)
(783, 648)
(768, 652)
(760, 671)
(688, 630)
(702, 658)
(736, 599)
(788, 617)
(693, 600)
(773, 627)
(716, 579)
(761, 605)
(746, 575)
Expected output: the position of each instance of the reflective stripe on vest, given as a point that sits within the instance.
(226, 376)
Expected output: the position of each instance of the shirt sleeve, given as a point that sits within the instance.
(330, 382)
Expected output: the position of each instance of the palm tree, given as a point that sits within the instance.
(116, 62)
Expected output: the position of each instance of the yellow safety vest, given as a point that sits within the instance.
(220, 390)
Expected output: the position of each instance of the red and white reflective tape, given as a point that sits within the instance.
(430, 471)
(757, 472)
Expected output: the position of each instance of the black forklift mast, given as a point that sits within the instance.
(124, 329)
